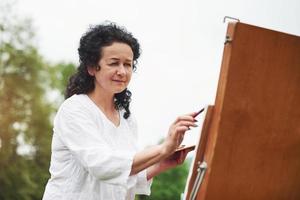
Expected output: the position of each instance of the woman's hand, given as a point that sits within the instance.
(177, 131)
(159, 156)
(177, 158)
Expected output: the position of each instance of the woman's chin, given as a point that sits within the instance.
(120, 89)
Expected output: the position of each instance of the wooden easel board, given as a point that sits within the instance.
(253, 139)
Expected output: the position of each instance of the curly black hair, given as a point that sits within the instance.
(90, 51)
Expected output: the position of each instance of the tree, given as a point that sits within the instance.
(59, 74)
(168, 185)
(25, 109)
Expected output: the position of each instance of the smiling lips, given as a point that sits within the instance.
(119, 81)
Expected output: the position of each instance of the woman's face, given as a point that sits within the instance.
(116, 65)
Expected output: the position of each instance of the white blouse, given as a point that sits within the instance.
(91, 157)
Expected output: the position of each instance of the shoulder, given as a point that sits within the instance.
(76, 105)
(75, 101)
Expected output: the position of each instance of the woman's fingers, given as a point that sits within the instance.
(186, 123)
(181, 129)
(188, 117)
(183, 155)
(184, 118)
(177, 131)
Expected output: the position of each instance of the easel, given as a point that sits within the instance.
(250, 140)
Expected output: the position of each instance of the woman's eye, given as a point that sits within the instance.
(127, 65)
(113, 64)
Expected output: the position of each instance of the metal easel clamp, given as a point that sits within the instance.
(228, 39)
(202, 166)
(232, 18)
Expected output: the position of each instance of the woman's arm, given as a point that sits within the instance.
(152, 157)
(147, 157)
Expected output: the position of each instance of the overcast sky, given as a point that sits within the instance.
(182, 45)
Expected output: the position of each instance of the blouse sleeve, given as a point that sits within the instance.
(80, 134)
(142, 185)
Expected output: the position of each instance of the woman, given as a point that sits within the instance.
(94, 146)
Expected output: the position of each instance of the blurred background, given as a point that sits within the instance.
(182, 46)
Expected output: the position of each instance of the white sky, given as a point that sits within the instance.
(182, 45)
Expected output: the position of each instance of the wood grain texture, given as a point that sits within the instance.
(253, 144)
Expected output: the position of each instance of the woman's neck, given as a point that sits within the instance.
(104, 101)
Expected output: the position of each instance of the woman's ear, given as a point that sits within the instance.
(91, 71)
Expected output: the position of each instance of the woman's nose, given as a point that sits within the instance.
(121, 70)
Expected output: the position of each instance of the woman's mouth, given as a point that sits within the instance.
(119, 81)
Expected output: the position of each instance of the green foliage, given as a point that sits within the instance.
(60, 74)
(168, 185)
(25, 111)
